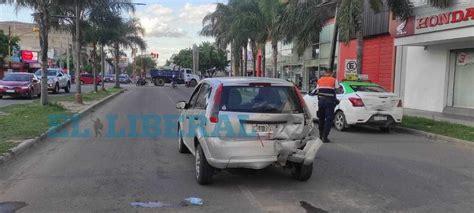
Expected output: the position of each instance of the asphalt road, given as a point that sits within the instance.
(363, 171)
(5, 101)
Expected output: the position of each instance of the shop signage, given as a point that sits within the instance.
(435, 21)
(447, 18)
(29, 56)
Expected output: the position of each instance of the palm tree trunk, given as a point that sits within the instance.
(264, 60)
(236, 53)
(246, 59)
(241, 61)
(94, 65)
(102, 65)
(78, 96)
(44, 33)
(275, 58)
(116, 65)
(360, 49)
(253, 46)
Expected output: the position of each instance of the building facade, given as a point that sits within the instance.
(435, 58)
(29, 43)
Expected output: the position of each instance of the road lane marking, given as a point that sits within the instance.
(250, 197)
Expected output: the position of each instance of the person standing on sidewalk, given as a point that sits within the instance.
(327, 101)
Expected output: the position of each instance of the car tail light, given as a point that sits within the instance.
(217, 102)
(356, 102)
(400, 103)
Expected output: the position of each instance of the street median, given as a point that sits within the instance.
(26, 125)
(438, 130)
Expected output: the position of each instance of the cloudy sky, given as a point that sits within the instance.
(170, 25)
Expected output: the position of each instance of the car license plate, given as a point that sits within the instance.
(380, 118)
(10, 91)
(262, 128)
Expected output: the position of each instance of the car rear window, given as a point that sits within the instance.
(17, 77)
(367, 88)
(270, 99)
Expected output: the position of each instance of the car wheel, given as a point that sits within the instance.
(386, 129)
(67, 89)
(1, 97)
(181, 147)
(193, 83)
(32, 94)
(340, 121)
(302, 172)
(204, 171)
(56, 88)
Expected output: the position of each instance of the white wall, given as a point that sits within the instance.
(426, 78)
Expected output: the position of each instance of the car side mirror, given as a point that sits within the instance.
(60, 75)
(35, 81)
(181, 105)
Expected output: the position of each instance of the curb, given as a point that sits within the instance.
(435, 137)
(29, 143)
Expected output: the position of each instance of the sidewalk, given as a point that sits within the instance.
(457, 119)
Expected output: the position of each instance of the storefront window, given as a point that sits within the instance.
(464, 79)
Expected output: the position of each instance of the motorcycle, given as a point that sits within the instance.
(173, 84)
(142, 82)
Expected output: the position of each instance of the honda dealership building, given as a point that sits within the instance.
(434, 68)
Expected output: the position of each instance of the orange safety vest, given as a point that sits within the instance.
(327, 82)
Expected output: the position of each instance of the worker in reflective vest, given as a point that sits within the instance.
(326, 91)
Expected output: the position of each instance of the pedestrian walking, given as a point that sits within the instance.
(327, 101)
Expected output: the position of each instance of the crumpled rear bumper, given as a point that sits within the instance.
(259, 154)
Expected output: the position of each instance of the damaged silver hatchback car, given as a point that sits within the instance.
(247, 123)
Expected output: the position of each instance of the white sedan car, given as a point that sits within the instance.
(361, 103)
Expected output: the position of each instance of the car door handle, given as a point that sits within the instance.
(196, 118)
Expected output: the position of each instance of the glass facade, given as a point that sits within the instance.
(464, 79)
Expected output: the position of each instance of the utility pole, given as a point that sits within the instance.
(195, 58)
(78, 55)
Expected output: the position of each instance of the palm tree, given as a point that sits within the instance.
(218, 25)
(304, 20)
(79, 13)
(272, 11)
(101, 20)
(127, 34)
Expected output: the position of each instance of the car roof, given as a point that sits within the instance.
(241, 81)
(18, 73)
(359, 83)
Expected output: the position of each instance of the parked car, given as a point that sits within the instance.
(124, 79)
(57, 80)
(109, 78)
(266, 122)
(20, 84)
(362, 103)
(89, 79)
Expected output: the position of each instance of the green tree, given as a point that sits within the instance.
(127, 34)
(304, 20)
(211, 58)
(184, 58)
(144, 63)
